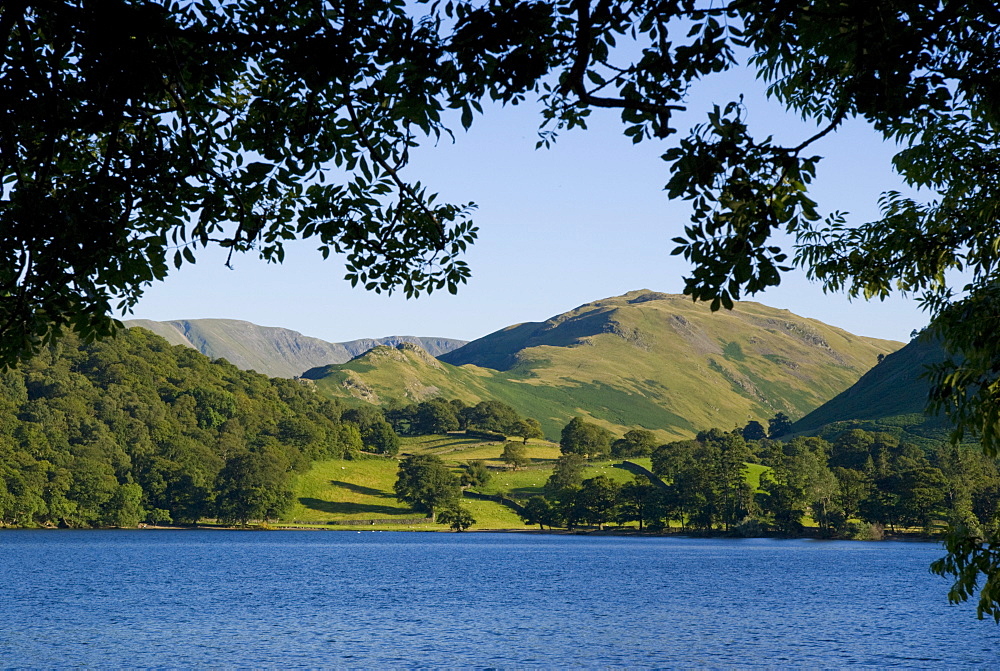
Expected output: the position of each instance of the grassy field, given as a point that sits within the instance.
(754, 471)
(343, 490)
(362, 490)
(339, 490)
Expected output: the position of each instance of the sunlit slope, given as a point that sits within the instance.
(276, 352)
(362, 491)
(642, 359)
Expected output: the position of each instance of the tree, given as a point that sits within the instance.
(376, 433)
(457, 517)
(527, 428)
(567, 472)
(425, 482)
(778, 425)
(635, 443)
(381, 439)
(475, 473)
(537, 510)
(754, 431)
(853, 487)
(736, 498)
(213, 123)
(125, 508)
(853, 449)
(597, 498)
(636, 499)
(799, 480)
(253, 485)
(580, 437)
(434, 416)
(210, 124)
(514, 455)
(492, 416)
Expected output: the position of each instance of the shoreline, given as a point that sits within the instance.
(896, 538)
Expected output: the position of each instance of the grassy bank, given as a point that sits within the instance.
(362, 491)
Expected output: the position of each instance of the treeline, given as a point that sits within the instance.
(132, 429)
(441, 416)
(855, 486)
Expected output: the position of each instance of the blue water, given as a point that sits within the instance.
(349, 599)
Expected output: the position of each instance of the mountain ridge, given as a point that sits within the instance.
(642, 359)
(891, 397)
(272, 350)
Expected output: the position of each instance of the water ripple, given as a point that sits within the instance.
(339, 599)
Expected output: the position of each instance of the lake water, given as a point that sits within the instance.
(349, 599)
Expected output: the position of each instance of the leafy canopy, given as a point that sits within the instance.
(248, 123)
(137, 133)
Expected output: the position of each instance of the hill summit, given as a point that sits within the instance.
(642, 359)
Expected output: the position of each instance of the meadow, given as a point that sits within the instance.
(361, 490)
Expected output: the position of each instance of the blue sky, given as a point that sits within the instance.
(584, 220)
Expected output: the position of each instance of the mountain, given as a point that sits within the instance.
(891, 396)
(276, 352)
(643, 359)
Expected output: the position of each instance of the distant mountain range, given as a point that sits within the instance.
(643, 359)
(273, 351)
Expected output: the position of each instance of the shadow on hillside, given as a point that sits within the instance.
(343, 508)
(523, 493)
(360, 489)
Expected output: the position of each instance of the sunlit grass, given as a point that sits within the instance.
(339, 489)
(363, 490)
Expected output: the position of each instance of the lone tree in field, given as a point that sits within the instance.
(515, 455)
(426, 483)
(475, 473)
(457, 517)
(527, 428)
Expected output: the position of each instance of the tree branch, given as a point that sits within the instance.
(381, 161)
(575, 77)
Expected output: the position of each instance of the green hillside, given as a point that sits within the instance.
(275, 352)
(362, 491)
(359, 494)
(643, 359)
(891, 396)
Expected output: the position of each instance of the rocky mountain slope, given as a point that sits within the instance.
(276, 352)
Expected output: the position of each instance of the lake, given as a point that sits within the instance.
(387, 599)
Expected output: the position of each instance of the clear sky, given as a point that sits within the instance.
(584, 220)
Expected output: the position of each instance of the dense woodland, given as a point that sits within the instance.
(132, 429)
(856, 486)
